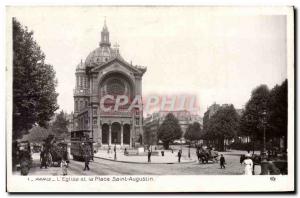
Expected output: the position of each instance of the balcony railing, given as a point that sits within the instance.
(81, 92)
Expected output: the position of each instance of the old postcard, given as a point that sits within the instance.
(150, 99)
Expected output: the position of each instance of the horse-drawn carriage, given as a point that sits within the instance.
(206, 155)
(54, 150)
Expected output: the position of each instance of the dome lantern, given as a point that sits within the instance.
(104, 36)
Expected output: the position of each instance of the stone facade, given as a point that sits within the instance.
(105, 72)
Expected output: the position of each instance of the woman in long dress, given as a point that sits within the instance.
(248, 163)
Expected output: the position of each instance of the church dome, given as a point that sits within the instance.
(104, 52)
(100, 55)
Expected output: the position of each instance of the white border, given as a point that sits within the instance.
(202, 183)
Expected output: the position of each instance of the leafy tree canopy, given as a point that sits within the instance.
(224, 123)
(169, 130)
(255, 112)
(278, 110)
(34, 95)
(60, 124)
(193, 132)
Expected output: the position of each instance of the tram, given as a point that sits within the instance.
(78, 138)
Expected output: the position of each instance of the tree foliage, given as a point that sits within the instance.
(278, 110)
(60, 124)
(169, 130)
(222, 125)
(34, 95)
(37, 134)
(256, 110)
(193, 132)
(274, 104)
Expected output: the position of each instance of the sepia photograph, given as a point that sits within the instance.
(149, 99)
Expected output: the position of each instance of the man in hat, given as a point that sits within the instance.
(86, 155)
(149, 156)
(179, 156)
(222, 161)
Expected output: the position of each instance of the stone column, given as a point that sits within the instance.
(100, 133)
(130, 138)
(109, 134)
(122, 126)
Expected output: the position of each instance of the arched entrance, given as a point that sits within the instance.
(105, 131)
(116, 133)
(126, 134)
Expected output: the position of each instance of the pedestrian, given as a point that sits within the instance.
(222, 161)
(198, 154)
(179, 155)
(86, 155)
(115, 151)
(149, 156)
(248, 163)
(242, 158)
(43, 158)
(65, 163)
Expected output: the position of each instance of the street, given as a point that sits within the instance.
(107, 167)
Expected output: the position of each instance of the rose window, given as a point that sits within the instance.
(115, 87)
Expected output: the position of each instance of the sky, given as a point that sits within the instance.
(218, 55)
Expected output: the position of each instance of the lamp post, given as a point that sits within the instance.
(181, 144)
(115, 149)
(264, 134)
(189, 154)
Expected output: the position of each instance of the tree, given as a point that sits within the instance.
(37, 134)
(222, 125)
(59, 126)
(34, 95)
(193, 132)
(169, 130)
(278, 112)
(252, 120)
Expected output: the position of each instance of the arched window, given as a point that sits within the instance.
(81, 105)
(76, 105)
(80, 79)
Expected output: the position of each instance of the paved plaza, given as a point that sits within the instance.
(168, 158)
(110, 167)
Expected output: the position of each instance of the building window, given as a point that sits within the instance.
(95, 121)
(137, 121)
(137, 112)
(76, 105)
(85, 82)
(80, 80)
(94, 111)
(81, 105)
(86, 103)
(115, 87)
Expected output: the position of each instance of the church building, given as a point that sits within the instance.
(104, 72)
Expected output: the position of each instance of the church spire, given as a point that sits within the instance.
(105, 35)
